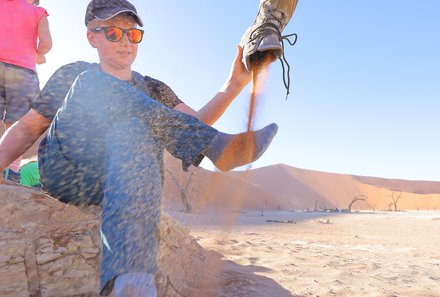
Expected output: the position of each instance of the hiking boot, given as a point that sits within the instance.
(265, 34)
(263, 39)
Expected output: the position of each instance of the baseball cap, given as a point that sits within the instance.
(106, 9)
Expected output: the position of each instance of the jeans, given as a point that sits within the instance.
(105, 146)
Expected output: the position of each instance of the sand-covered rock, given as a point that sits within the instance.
(51, 249)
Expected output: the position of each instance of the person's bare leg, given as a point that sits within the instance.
(14, 166)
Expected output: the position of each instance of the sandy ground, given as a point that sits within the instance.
(322, 254)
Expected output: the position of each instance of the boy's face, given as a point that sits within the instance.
(117, 55)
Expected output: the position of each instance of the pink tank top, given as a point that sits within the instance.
(19, 31)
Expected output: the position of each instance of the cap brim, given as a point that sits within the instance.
(103, 16)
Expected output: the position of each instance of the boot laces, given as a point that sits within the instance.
(284, 63)
(268, 27)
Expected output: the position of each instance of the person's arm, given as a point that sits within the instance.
(40, 59)
(20, 137)
(44, 39)
(238, 78)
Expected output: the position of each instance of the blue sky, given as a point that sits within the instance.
(365, 77)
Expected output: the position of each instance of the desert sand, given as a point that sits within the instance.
(246, 219)
(285, 253)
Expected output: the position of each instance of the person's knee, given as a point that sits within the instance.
(90, 94)
(91, 78)
(91, 74)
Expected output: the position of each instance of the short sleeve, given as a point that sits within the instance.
(52, 96)
(40, 11)
(162, 92)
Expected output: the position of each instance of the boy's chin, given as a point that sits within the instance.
(123, 64)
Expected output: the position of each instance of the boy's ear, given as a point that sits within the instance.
(91, 37)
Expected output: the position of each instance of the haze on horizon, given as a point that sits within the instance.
(365, 77)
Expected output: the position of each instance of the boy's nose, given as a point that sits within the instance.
(124, 40)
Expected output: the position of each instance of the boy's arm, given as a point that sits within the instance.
(44, 37)
(20, 137)
(238, 78)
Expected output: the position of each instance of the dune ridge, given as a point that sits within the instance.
(285, 187)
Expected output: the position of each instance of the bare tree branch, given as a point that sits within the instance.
(395, 200)
(355, 199)
(183, 190)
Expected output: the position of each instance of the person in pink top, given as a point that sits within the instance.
(27, 39)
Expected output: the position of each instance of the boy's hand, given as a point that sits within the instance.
(238, 73)
(41, 59)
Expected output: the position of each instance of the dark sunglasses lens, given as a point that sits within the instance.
(113, 34)
(135, 35)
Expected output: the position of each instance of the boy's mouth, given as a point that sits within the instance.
(124, 53)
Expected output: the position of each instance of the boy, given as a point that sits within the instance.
(107, 129)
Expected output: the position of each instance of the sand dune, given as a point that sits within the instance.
(284, 187)
(272, 245)
(338, 190)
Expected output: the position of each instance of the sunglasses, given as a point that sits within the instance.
(114, 34)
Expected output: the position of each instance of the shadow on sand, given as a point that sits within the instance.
(243, 281)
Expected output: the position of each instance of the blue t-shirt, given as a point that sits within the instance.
(52, 96)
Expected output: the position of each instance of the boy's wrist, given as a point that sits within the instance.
(233, 86)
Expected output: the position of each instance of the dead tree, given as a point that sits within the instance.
(395, 200)
(183, 190)
(373, 204)
(321, 207)
(355, 199)
(389, 206)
